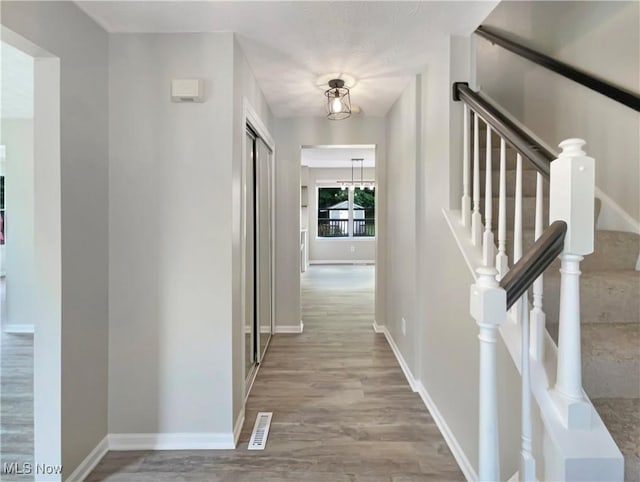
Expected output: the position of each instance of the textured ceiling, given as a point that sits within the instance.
(290, 45)
(337, 156)
(16, 83)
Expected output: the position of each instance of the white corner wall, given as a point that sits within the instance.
(290, 135)
(170, 245)
(334, 249)
(401, 198)
(600, 37)
(64, 31)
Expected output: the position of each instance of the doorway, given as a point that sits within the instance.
(338, 205)
(258, 252)
(31, 332)
(338, 221)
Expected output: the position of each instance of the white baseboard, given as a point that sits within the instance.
(342, 261)
(89, 463)
(11, 328)
(290, 328)
(378, 328)
(400, 358)
(464, 463)
(416, 385)
(171, 441)
(238, 428)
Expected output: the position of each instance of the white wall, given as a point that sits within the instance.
(602, 38)
(66, 32)
(17, 136)
(291, 134)
(170, 243)
(400, 282)
(336, 249)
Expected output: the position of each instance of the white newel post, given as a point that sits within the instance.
(572, 191)
(488, 304)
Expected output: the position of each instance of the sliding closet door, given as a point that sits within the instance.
(264, 244)
(250, 282)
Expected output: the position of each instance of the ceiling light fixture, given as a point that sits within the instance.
(338, 100)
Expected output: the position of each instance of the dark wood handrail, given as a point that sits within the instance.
(619, 94)
(521, 141)
(543, 252)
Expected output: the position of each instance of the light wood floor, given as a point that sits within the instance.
(342, 409)
(16, 402)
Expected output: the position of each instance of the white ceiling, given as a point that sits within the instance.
(337, 156)
(16, 83)
(290, 45)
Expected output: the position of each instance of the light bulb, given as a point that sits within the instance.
(343, 187)
(336, 105)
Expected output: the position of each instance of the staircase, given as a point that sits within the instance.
(610, 308)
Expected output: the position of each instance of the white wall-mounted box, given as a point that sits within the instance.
(187, 90)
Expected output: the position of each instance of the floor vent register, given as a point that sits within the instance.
(260, 431)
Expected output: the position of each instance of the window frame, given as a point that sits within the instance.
(350, 220)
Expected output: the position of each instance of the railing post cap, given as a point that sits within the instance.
(487, 275)
(572, 147)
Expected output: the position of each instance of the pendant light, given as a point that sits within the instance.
(362, 184)
(338, 100)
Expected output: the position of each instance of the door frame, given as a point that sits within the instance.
(250, 117)
(47, 338)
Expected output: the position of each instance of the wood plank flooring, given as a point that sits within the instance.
(16, 402)
(342, 409)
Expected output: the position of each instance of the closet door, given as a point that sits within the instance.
(250, 282)
(264, 244)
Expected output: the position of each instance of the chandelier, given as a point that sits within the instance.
(362, 183)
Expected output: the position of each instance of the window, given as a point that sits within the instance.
(364, 212)
(344, 213)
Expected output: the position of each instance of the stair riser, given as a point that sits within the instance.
(529, 183)
(510, 159)
(611, 378)
(528, 212)
(613, 250)
(601, 300)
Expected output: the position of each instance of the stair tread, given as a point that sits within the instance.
(622, 418)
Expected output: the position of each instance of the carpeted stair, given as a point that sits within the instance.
(610, 309)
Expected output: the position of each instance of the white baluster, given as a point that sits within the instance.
(466, 200)
(527, 462)
(488, 307)
(517, 229)
(476, 218)
(502, 261)
(487, 243)
(538, 318)
(572, 192)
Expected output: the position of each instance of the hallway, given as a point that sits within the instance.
(342, 409)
